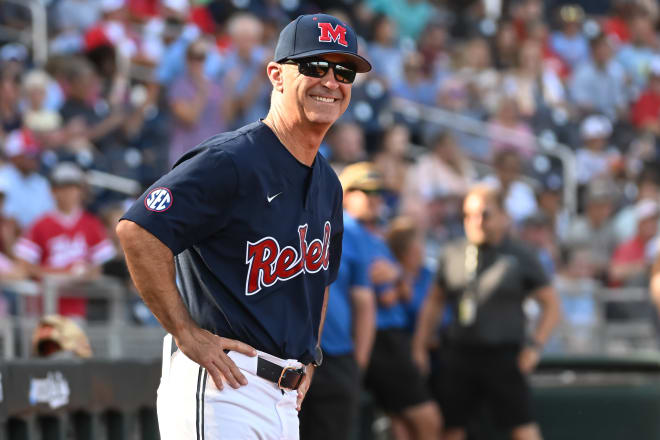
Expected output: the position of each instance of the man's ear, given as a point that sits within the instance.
(276, 75)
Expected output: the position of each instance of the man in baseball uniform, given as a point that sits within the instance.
(252, 222)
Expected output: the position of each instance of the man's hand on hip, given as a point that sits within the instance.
(207, 349)
(528, 359)
(304, 386)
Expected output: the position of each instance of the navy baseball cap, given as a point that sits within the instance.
(318, 34)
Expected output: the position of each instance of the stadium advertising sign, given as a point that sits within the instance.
(53, 390)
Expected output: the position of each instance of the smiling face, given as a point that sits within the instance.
(305, 99)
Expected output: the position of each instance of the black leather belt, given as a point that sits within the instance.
(285, 377)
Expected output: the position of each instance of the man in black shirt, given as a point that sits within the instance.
(484, 279)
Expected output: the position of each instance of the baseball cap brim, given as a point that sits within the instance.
(361, 64)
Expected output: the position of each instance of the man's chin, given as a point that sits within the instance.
(329, 117)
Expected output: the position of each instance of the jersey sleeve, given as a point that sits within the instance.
(191, 202)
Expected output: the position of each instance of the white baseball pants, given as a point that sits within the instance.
(191, 407)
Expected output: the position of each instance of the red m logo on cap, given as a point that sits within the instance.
(336, 34)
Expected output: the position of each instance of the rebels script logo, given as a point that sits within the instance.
(336, 34)
(268, 264)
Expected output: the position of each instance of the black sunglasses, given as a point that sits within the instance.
(317, 68)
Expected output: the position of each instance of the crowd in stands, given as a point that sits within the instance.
(131, 85)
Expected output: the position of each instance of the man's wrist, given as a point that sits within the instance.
(318, 357)
(534, 344)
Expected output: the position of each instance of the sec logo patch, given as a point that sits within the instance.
(158, 200)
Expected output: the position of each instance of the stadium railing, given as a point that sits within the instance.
(111, 331)
(548, 145)
(36, 35)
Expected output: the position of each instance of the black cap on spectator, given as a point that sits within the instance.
(310, 35)
(536, 220)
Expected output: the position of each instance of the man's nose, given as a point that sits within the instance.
(328, 80)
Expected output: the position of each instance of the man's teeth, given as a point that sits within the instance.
(322, 99)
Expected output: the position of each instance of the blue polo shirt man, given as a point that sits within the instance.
(332, 404)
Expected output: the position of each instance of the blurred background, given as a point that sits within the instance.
(557, 103)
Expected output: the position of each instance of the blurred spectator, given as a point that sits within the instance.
(506, 46)
(625, 222)
(71, 19)
(569, 42)
(9, 231)
(415, 85)
(385, 50)
(432, 45)
(10, 93)
(392, 162)
(58, 337)
(520, 201)
(508, 130)
(406, 242)
(536, 231)
(549, 197)
(247, 88)
(455, 96)
(406, 399)
(113, 29)
(615, 24)
(595, 229)
(535, 88)
(442, 171)
(596, 158)
(345, 141)
(197, 104)
(645, 112)
(577, 290)
(476, 70)
(77, 15)
(332, 405)
(28, 193)
(599, 84)
(165, 27)
(67, 241)
(630, 261)
(85, 111)
(175, 36)
(540, 32)
(410, 16)
(637, 56)
(485, 278)
(43, 122)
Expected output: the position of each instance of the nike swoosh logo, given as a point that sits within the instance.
(270, 198)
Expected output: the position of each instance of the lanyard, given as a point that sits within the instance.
(467, 307)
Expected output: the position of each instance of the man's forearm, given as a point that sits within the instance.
(549, 302)
(429, 315)
(364, 324)
(151, 265)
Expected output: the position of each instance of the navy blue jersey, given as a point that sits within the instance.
(257, 237)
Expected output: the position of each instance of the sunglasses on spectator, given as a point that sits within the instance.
(317, 68)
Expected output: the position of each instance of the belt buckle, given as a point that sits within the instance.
(285, 371)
